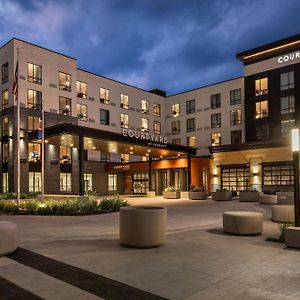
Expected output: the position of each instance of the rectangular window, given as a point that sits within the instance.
(34, 73)
(82, 112)
(5, 99)
(262, 132)
(65, 182)
(175, 110)
(104, 96)
(33, 123)
(216, 139)
(5, 182)
(236, 117)
(261, 86)
(216, 120)
(35, 182)
(34, 152)
(124, 121)
(64, 81)
(156, 127)
(235, 97)
(287, 81)
(81, 88)
(287, 105)
(65, 106)
(145, 107)
(104, 116)
(190, 125)
(145, 125)
(124, 101)
(112, 182)
(191, 141)
(4, 125)
(5, 73)
(156, 110)
(278, 174)
(236, 137)
(190, 106)
(88, 182)
(215, 101)
(175, 127)
(261, 109)
(34, 99)
(5, 152)
(124, 157)
(176, 141)
(65, 155)
(287, 126)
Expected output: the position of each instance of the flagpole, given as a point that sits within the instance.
(43, 151)
(18, 136)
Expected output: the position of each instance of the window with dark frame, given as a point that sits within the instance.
(33, 123)
(261, 109)
(175, 109)
(215, 101)
(216, 139)
(261, 86)
(235, 97)
(175, 127)
(64, 81)
(65, 155)
(287, 126)
(35, 182)
(190, 125)
(190, 106)
(191, 141)
(145, 125)
(104, 95)
(34, 99)
(281, 174)
(34, 152)
(156, 110)
(81, 88)
(5, 73)
(287, 81)
(104, 116)
(262, 131)
(5, 148)
(5, 99)
(176, 141)
(124, 101)
(156, 127)
(124, 121)
(82, 112)
(287, 104)
(4, 125)
(236, 117)
(236, 137)
(34, 73)
(216, 120)
(65, 106)
(65, 180)
(145, 106)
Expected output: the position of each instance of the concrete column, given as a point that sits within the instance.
(81, 165)
(189, 174)
(216, 176)
(158, 182)
(183, 180)
(256, 174)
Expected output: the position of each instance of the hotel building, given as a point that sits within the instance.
(104, 135)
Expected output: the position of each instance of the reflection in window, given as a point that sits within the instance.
(287, 104)
(262, 132)
(215, 101)
(175, 127)
(190, 106)
(176, 141)
(235, 97)
(104, 116)
(5, 152)
(236, 137)
(236, 117)
(191, 141)
(190, 125)
(5, 182)
(216, 120)
(287, 126)
(287, 81)
(64, 81)
(5, 73)
(34, 73)
(5, 125)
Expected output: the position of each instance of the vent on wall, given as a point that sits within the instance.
(206, 108)
(113, 124)
(22, 77)
(113, 104)
(53, 110)
(53, 85)
(92, 98)
(199, 109)
(132, 108)
(91, 120)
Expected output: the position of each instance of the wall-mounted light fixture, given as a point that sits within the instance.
(255, 174)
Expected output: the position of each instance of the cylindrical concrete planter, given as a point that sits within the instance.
(249, 196)
(221, 196)
(171, 195)
(268, 199)
(292, 237)
(8, 236)
(285, 200)
(283, 213)
(197, 195)
(143, 226)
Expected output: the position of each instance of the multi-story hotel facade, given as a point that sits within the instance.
(104, 135)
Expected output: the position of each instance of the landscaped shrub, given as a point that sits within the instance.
(10, 195)
(8, 207)
(171, 189)
(281, 238)
(112, 204)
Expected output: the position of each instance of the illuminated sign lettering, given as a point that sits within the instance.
(155, 139)
(289, 57)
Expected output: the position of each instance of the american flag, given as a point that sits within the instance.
(15, 86)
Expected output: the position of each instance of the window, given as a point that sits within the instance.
(81, 88)
(112, 182)
(262, 109)
(235, 178)
(216, 120)
(35, 182)
(124, 157)
(175, 110)
(236, 137)
(278, 174)
(33, 123)
(88, 182)
(235, 97)
(262, 132)
(145, 107)
(5, 73)
(5, 152)
(261, 86)
(236, 117)
(104, 116)
(190, 106)
(175, 127)
(5, 99)
(82, 112)
(145, 125)
(34, 99)
(5, 126)
(157, 127)
(104, 96)
(176, 141)
(5, 182)
(190, 125)
(34, 152)
(287, 126)
(216, 139)
(34, 73)
(65, 106)
(191, 141)
(156, 110)
(65, 182)
(287, 104)
(124, 121)
(287, 81)
(124, 101)
(65, 155)
(215, 101)
(64, 81)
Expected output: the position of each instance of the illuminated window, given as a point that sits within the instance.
(112, 182)
(145, 125)
(104, 96)
(236, 137)
(124, 157)
(236, 117)
(124, 101)
(157, 127)
(261, 86)
(33, 123)
(156, 110)
(34, 99)
(5, 73)
(34, 152)
(261, 109)
(262, 132)
(5, 125)
(287, 81)
(145, 107)
(190, 125)
(5, 99)
(175, 127)
(190, 106)
(191, 141)
(65, 106)
(64, 81)
(124, 121)
(81, 89)
(235, 97)
(176, 141)
(34, 73)
(287, 126)
(82, 112)
(216, 139)
(35, 182)
(5, 182)
(65, 155)
(215, 101)
(175, 109)
(287, 104)
(104, 116)
(88, 182)
(5, 152)
(65, 182)
(216, 120)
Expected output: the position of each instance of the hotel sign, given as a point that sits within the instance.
(289, 57)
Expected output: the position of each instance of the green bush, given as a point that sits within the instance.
(112, 204)
(281, 238)
(171, 189)
(8, 207)
(10, 195)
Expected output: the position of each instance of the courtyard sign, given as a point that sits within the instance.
(289, 57)
(155, 140)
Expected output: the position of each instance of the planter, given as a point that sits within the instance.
(197, 195)
(151, 194)
(171, 195)
(249, 196)
(221, 196)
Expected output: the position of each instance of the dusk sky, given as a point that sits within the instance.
(174, 45)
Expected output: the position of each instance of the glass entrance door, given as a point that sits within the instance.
(140, 183)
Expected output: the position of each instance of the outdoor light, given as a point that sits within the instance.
(255, 174)
(295, 140)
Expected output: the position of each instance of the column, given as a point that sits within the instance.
(189, 179)
(150, 173)
(81, 165)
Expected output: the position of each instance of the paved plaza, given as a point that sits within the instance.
(198, 261)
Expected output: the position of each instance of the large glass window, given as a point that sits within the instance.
(190, 125)
(81, 89)
(261, 86)
(236, 117)
(287, 81)
(156, 110)
(5, 182)
(34, 152)
(216, 120)
(5, 73)
(104, 116)
(82, 112)
(175, 127)
(88, 182)
(124, 101)
(34, 73)
(157, 127)
(262, 131)
(235, 178)
(236, 136)
(216, 139)
(261, 109)
(65, 106)
(5, 152)
(281, 174)
(65, 155)
(191, 141)
(287, 104)
(65, 182)
(64, 81)
(5, 99)
(34, 99)
(124, 157)
(35, 182)
(5, 125)
(145, 107)
(287, 126)
(145, 125)
(235, 97)
(33, 123)
(176, 141)
(124, 121)
(215, 101)
(175, 109)
(104, 96)
(112, 182)
(190, 106)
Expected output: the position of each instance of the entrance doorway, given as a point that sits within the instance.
(164, 180)
(236, 178)
(140, 183)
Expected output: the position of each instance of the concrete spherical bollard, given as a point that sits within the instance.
(8, 237)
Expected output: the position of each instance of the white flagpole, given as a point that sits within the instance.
(18, 136)
(43, 151)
